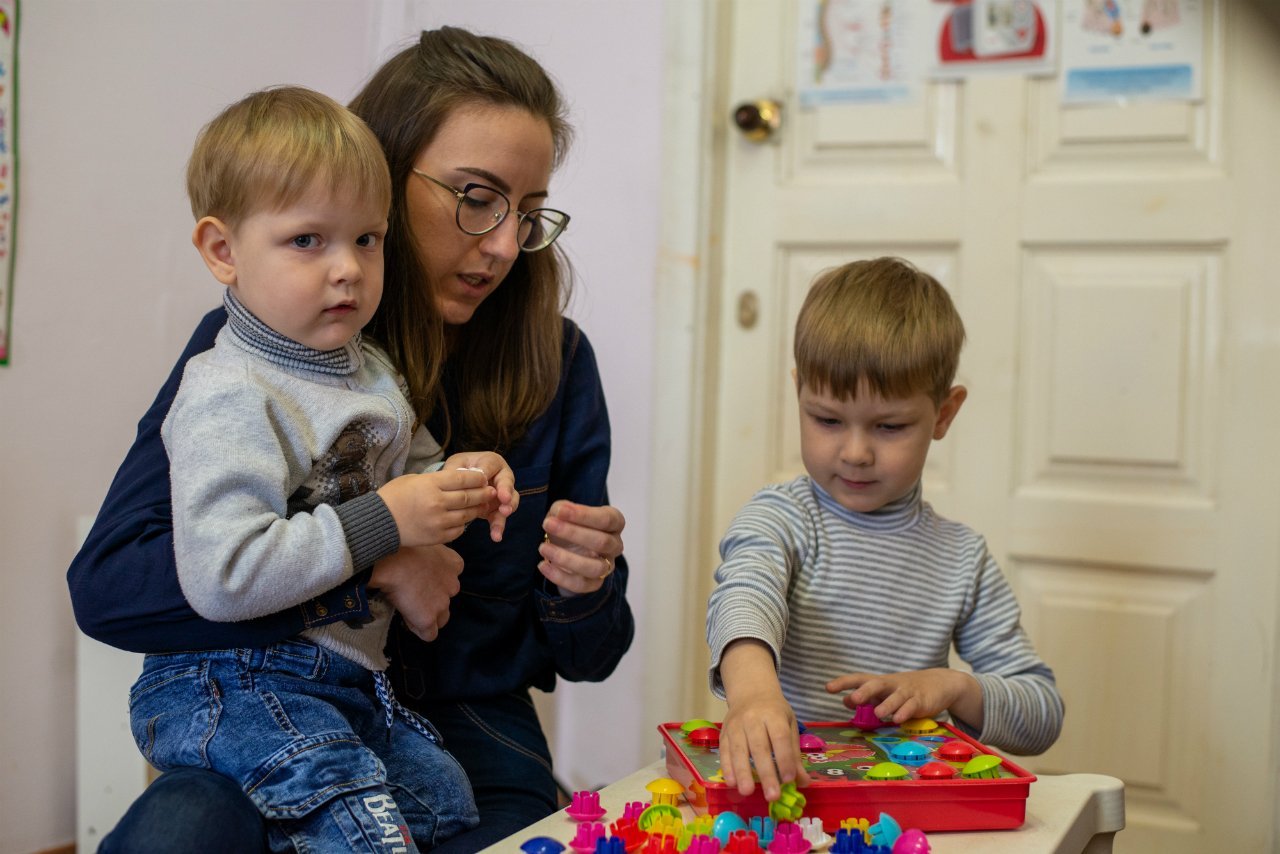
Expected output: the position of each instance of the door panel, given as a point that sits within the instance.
(1111, 264)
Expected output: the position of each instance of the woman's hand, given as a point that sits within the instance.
(580, 546)
(419, 582)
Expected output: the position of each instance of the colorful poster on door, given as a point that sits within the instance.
(858, 51)
(979, 36)
(8, 165)
(1116, 51)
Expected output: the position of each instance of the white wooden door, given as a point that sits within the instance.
(1117, 271)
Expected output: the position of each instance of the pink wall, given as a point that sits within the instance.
(108, 288)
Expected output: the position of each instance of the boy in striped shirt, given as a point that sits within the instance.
(843, 587)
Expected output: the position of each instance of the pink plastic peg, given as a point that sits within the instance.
(585, 806)
(912, 841)
(864, 717)
(584, 841)
(629, 832)
(633, 809)
(788, 839)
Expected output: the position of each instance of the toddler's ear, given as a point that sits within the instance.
(212, 238)
(947, 410)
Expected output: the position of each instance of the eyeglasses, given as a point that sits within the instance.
(481, 209)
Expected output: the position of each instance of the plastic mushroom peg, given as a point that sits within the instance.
(885, 831)
(911, 841)
(584, 841)
(585, 806)
(743, 842)
(813, 831)
(542, 845)
(788, 839)
(864, 717)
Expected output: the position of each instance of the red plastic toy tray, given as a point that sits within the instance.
(838, 790)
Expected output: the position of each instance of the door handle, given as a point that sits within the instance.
(758, 120)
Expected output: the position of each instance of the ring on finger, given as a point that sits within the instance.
(608, 566)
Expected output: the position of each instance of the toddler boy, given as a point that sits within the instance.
(289, 444)
(844, 581)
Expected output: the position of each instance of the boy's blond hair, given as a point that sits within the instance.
(880, 322)
(269, 149)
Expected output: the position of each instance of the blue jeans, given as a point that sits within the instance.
(299, 729)
(498, 741)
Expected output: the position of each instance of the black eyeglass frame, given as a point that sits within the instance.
(521, 216)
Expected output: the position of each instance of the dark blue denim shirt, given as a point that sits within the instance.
(508, 628)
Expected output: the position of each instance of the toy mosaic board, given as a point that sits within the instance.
(932, 777)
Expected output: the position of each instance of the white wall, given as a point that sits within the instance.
(108, 288)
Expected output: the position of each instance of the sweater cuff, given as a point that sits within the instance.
(370, 529)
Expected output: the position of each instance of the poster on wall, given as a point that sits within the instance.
(858, 51)
(978, 36)
(8, 164)
(1115, 51)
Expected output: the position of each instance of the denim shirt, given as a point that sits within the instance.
(508, 628)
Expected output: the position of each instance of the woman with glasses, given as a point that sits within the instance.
(471, 314)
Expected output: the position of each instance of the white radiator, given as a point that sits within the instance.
(110, 772)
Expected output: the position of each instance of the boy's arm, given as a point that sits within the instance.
(123, 581)
(1022, 709)
(746, 623)
(760, 727)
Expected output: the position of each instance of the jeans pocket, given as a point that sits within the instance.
(173, 712)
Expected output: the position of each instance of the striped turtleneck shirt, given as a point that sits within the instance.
(832, 591)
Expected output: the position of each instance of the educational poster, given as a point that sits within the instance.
(978, 36)
(1128, 50)
(8, 163)
(858, 51)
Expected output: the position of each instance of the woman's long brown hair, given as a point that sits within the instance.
(507, 357)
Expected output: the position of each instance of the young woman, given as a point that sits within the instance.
(471, 314)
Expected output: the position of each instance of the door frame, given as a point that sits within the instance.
(686, 296)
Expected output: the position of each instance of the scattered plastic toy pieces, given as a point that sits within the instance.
(763, 827)
(912, 841)
(584, 841)
(702, 844)
(743, 842)
(813, 831)
(727, 824)
(665, 791)
(789, 839)
(885, 831)
(633, 809)
(542, 845)
(660, 843)
(585, 806)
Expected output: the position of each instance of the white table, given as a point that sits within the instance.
(1065, 815)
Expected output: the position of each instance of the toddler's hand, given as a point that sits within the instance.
(435, 507)
(761, 728)
(500, 477)
(914, 694)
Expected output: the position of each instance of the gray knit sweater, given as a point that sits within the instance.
(275, 452)
(832, 592)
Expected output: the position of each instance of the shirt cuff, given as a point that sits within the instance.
(370, 529)
(554, 608)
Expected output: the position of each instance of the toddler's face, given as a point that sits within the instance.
(312, 271)
(869, 452)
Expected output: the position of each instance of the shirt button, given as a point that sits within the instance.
(322, 611)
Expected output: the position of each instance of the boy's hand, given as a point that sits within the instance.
(760, 726)
(914, 694)
(435, 507)
(500, 477)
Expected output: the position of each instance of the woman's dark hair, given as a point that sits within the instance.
(507, 356)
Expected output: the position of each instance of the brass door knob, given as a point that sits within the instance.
(758, 120)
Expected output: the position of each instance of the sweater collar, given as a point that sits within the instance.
(893, 517)
(253, 335)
